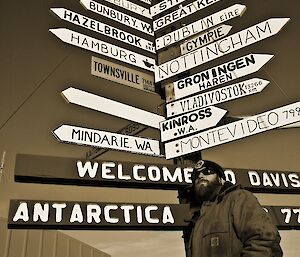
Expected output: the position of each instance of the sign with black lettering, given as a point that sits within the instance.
(37, 214)
(98, 138)
(275, 118)
(219, 48)
(103, 29)
(104, 48)
(204, 38)
(190, 123)
(121, 74)
(182, 12)
(220, 74)
(133, 7)
(101, 104)
(109, 173)
(117, 16)
(163, 6)
(96, 215)
(199, 26)
(220, 95)
(131, 129)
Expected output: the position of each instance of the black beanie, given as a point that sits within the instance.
(205, 164)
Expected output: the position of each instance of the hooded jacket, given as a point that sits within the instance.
(233, 225)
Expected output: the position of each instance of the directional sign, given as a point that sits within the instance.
(37, 214)
(92, 137)
(190, 122)
(163, 6)
(104, 48)
(182, 12)
(220, 95)
(133, 7)
(108, 173)
(121, 74)
(220, 74)
(131, 129)
(99, 103)
(103, 29)
(236, 130)
(117, 16)
(205, 38)
(200, 25)
(96, 215)
(219, 48)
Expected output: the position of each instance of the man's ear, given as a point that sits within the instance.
(221, 181)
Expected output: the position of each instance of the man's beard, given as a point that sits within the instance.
(205, 190)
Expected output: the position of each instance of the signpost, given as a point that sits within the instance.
(133, 7)
(219, 48)
(196, 113)
(99, 103)
(104, 48)
(236, 130)
(182, 12)
(122, 75)
(103, 29)
(191, 122)
(204, 38)
(200, 25)
(220, 74)
(98, 138)
(36, 214)
(117, 16)
(220, 95)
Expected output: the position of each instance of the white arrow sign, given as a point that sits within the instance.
(163, 6)
(103, 48)
(103, 29)
(219, 48)
(130, 6)
(92, 137)
(200, 25)
(205, 38)
(182, 12)
(190, 122)
(220, 95)
(117, 16)
(220, 74)
(101, 104)
(236, 130)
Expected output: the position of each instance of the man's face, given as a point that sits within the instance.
(205, 185)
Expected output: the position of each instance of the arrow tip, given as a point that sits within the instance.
(264, 83)
(54, 31)
(84, 4)
(66, 93)
(56, 132)
(242, 8)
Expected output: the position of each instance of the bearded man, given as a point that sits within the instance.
(228, 221)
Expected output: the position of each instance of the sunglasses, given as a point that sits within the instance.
(205, 172)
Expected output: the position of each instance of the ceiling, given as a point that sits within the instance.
(36, 67)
